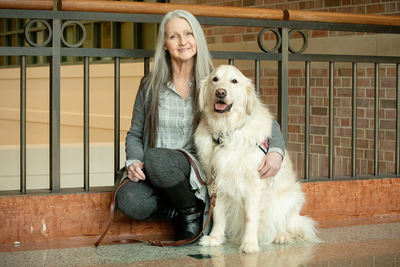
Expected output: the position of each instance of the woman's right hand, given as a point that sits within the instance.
(135, 172)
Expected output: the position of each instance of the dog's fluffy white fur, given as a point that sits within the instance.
(248, 209)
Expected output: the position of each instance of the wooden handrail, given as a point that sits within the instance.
(27, 4)
(202, 10)
(162, 9)
(333, 17)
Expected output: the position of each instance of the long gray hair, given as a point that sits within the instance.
(162, 71)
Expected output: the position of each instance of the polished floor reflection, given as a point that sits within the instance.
(355, 243)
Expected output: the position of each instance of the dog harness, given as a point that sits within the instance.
(263, 146)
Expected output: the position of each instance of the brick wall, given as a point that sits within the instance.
(249, 34)
(217, 35)
(319, 120)
(220, 38)
(388, 7)
(319, 117)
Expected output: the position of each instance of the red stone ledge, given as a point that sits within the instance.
(31, 219)
(355, 199)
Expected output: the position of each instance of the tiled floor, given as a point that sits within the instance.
(355, 243)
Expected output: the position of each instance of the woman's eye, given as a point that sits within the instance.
(215, 79)
(234, 81)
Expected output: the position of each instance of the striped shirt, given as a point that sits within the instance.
(175, 118)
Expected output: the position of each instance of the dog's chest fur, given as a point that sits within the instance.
(235, 155)
(231, 175)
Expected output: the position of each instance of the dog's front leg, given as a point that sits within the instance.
(217, 234)
(252, 211)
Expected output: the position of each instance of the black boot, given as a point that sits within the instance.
(164, 211)
(186, 202)
(191, 224)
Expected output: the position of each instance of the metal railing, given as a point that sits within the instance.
(280, 25)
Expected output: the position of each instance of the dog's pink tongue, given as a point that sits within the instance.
(220, 106)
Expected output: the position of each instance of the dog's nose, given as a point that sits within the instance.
(221, 93)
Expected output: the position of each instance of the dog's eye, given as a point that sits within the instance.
(215, 79)
(234, 81)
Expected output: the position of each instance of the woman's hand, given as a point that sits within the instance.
(270, 165)
(135, 172)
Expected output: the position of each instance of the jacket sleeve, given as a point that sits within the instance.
(134, 142)
(276, 141)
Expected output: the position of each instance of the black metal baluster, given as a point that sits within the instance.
(354, 121)
(283, 81)
(257, 76)
(331, 120)
(22, 144)
(116, 114)
(376, 121)
(55, 108)
(86, 141)
(398, 119)
(307, 123)
(146, 65)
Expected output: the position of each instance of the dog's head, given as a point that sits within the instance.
(226, 90)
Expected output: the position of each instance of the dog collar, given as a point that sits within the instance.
(263, 146)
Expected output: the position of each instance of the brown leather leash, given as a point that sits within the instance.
(154, 242)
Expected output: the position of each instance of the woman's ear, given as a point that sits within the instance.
(251, 96)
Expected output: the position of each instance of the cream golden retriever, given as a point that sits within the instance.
(248, 209)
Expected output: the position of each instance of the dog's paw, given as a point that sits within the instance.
(208, 241)
(249, 247)
(283, 238)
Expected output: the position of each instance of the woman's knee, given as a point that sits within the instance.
(154, 156)
(165, 167)
(133, 201)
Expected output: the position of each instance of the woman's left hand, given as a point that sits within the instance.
(270, 165)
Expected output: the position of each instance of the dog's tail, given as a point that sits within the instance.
(305, 228)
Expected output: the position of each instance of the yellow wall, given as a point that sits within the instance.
(101, 124)
(101, 103)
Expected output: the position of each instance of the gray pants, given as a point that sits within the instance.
(163, 168)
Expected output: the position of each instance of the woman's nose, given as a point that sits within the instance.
(183, 40)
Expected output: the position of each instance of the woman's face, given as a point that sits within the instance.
(179, 40)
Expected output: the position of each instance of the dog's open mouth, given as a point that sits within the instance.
(221, 107)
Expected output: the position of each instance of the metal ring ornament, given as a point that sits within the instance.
(28, 38)
(277, 36)
(305, 42)
(81, 41)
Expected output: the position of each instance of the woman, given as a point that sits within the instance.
(165, 115)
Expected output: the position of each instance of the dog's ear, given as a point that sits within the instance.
(202, 93)
(251, 96)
